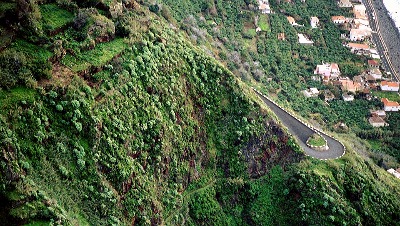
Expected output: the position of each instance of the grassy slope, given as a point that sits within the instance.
(132, 146)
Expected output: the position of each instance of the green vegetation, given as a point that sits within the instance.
(263, 23)
(35, 52)
(16, 96)
(55, 17)
(140, 124)
(393, 96)
(316, 140)
(102, 54)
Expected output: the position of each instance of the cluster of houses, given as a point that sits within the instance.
(369, 80)
(303, 39)
(358, 27)
(329, 73)
(358, 43)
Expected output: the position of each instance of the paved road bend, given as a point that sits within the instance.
(303, 132)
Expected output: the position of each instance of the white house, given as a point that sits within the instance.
(314, 21)
(360, 12)
(395, 173)
(304, 40)
(376, 121)
(347, 97)
(361, 23)
(376, 73)
(373, 53)
(356, 47)
(327, 71)
(390, 105)
(338, 19)
(345, 3)
(263, 5)
(389, 86)
(311, 92)
(359, 34)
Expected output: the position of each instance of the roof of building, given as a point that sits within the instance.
(281, 36)
(389, 103)
(334, 66)
(264, 6)
(314, 90)
(291, 19)
(359, 7)
(373, 63)
(369, 77)
(390, 84)
(375, 71)
(357, 78)
(314, 19)
(378, 112)
(362, 32)
(345, 2)
(361, 21)
(357, 45)
(376, 119)
(304, 40)
(346, 96)
(338, 18)
(366, 91)
(350, 85)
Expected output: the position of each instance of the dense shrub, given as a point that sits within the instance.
(29, 17)
(94, 26)
(13, 69)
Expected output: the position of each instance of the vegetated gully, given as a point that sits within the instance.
(303, 132)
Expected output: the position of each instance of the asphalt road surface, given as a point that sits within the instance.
(303, 132)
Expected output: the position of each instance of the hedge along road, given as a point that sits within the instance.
(302, 132)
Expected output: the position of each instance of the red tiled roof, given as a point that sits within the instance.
(389, 103)
(373, 63)
(338, 18)
(358, 45)
(390, 84)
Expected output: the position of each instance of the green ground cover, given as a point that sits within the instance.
(18, 95)
(55, 17)
(34, 52)
(316, 140)
(98, 56)
(393, 96)
(263, 23)
(163, 139)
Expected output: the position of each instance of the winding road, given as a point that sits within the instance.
(302, 132)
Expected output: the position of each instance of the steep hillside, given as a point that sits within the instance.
(122, 132)
(111, 115)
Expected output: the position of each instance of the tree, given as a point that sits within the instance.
(13, 69)
(29, 17)
(154, 8)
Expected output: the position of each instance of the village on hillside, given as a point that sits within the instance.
(359, 41)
